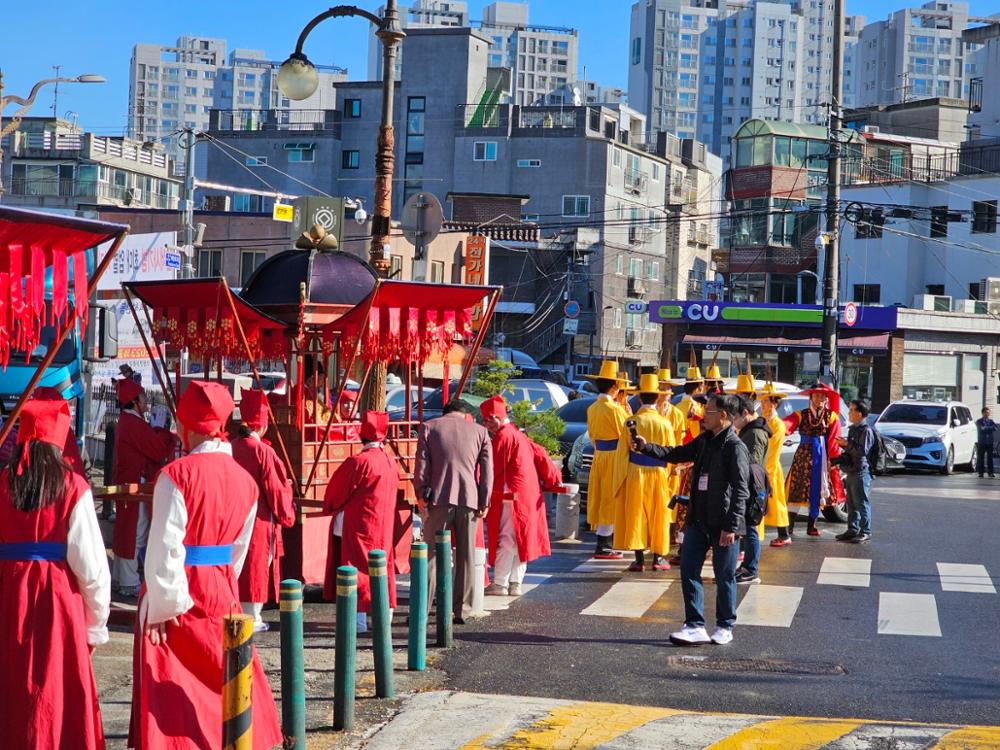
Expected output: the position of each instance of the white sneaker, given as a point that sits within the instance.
(261, 627)
(722, 636)
(690, 636)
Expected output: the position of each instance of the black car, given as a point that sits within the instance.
(574, 414)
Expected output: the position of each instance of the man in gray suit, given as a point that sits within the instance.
(453, 479)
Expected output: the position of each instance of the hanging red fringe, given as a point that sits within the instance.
(80, 302)
(60, 287)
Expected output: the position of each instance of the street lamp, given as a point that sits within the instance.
(15, 120)
(298, 79)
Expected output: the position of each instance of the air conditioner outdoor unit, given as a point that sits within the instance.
(989, 289)
(993, 308)
(934, 302)
(968, 306)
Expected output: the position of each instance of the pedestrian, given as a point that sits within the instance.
(71, 450)
(756, 436)
(643, 516)
(55, 591)
(204, 508)
(140, 452)
(453, 480)
(259, 581)
(605, 424)
(810, 480)
(625, 390)
(986, 433)
(715, 517)
(858, 473)
(777, 509)
(361, 496)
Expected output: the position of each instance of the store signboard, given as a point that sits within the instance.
(701, 312)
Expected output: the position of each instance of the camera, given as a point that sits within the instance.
(678, 500)
(631, 425)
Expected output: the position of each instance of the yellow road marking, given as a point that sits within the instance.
(578, 726)
(970, 738)
(787, 734)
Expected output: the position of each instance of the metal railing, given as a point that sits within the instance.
(57, 188)
(252, 120)
(635, 180)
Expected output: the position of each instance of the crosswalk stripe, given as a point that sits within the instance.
(974, 579)
(500, 603)
(769, 606)
(787, 734)
(845, 571)
(970, 738)
(872, 736)
(628, 599)
(908, 614)
(681, 732)
(601, 566)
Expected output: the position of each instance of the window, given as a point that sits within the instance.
(416, 104)
(395, 266)
(867, 294)
(616, 157)
(619, 264)
(352, 108)
(350, 159)
(636, 50)
(576, 205)
(984, 217)
(634, 268)
(654, 270)
(618, 318)
(209, 263)
(939, 223)
(935, 289)
(249, 260)
(484, 151)
(437, 272)
(190, 91)
(256, 161)
(300, 152)
(655, 172)
(529, 163)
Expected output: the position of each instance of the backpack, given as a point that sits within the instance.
(877, 453)
(759, 484)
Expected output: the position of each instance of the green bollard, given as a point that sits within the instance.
(378, 572)
(442, 555)
(347, 647)
(416, 652)
(293, 679)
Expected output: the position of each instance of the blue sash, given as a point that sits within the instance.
(25, 551)
(606, 445)
(208, 555)
(641, 459)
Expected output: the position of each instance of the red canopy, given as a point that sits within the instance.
(31, 242)
(407, 321)
(196, 314)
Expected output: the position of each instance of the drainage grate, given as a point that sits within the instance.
(747, 666)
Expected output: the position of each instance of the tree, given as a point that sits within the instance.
(492, 379)
(544, 426)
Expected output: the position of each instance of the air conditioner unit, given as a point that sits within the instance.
(934, 302)
(993, 308)
(635, 287)
(633, 338)
(968, 306)
(989, 289)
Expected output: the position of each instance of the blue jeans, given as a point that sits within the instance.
(859, 504)
(751, 549)
(694, 550)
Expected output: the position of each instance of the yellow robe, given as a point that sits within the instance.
(643, 519)
(605, 421)
(693, 425)
(777, 508)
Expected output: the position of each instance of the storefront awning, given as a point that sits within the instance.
(869, 342)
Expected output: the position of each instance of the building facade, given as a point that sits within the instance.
(175, 87)
(917, 53)
(984, 108)
(50, 163)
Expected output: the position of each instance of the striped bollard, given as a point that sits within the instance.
(293, 687)
(347, 647)
(416, 652)
(237, 686)
(442, 566)
(378, 571)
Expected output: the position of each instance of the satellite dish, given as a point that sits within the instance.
(422, 220)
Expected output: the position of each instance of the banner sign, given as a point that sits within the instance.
(701, 312)
(476, 271)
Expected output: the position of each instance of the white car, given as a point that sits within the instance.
(937, 434)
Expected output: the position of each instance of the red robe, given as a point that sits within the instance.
(514, 473)
(177, 685)
(259, 581)
(833, 449)
(548, 473)
(365, 489)
(140, 451)
(50, 700)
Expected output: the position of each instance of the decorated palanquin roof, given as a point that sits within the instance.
(408, 321)
(33, 245)
(332, 278)
(197, 314)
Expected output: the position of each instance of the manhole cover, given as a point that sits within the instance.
(775, 666)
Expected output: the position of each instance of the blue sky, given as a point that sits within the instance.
(97, 37)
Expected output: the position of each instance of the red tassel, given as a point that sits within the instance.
(37, 283)
(80, 301)
(60, 286)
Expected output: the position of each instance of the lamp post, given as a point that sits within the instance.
(298, 79)
(25, 103)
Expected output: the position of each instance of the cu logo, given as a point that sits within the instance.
(698, 311)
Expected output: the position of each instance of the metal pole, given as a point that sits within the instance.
(378, 572)
(293, 687)
(346, 647)
(828, 355)
(416, 652)
(442, 565)
(187, 205)
(237, 682)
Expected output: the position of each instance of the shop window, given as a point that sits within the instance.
(868, 294)
(984, 217)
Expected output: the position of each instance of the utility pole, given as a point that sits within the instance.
(55, 93)
(831, 303)
(567, 296)
(187, 205)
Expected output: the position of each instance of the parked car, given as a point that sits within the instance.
(271, 382)
(574, 414)
(937, 434)
(395, 399)
(541, 393)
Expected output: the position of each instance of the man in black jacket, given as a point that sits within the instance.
(715, 518)
(755, 435)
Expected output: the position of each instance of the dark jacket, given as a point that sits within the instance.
(860, 438)
(726, 461)
(755, 436)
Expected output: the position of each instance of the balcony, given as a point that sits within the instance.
(255, 120)
(703, 237)
(635, 181)
(639, 235)
(100, 192)
(636, 287)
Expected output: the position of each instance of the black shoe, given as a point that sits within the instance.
(846, 536)
(861, 539)
(458, 620)
(745, 576)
